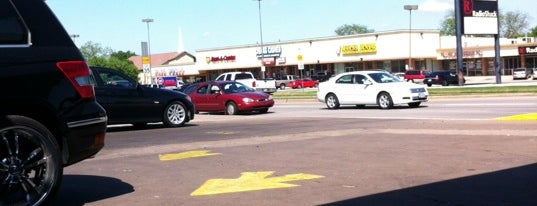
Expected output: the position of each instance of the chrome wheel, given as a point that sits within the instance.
(30, 167)
(332, 102)
(384, 100)
(175, 114)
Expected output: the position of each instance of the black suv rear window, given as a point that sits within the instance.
(12, 28)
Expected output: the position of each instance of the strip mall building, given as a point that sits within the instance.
(388, 51)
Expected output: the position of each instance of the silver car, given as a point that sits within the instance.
(521, 73)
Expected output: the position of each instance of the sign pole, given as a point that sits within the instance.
(458, 29)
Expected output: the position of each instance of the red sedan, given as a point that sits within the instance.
(303, 83)
(229, 97)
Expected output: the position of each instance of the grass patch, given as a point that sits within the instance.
(439, 91)
(482, 90)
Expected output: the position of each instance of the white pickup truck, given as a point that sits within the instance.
(247, 78)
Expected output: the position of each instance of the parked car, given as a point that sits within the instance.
(362, 88)
(303, 83)
(320, 77)
(284, 80)
(534, 73)
(444, 78)
(49, 118)
(400, 75)
(247, 78)
(230, 97)
(129, 102)
(522, 73)
(415, 75)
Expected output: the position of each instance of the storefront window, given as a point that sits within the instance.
(531, 62)
(421, 65)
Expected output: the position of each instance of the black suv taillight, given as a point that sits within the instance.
(78, 73)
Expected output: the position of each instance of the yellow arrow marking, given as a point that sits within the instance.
(250, 181)
(185, 155)
(522, 117)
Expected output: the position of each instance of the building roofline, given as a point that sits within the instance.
(307, 40)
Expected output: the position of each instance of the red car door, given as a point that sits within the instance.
(214, 98)
(199, 97)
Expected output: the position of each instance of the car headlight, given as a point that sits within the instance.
(270, 97)
(247, 100)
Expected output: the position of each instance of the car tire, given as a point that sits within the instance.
(31, 169)
(429, 84)
(299, 87)
(175, 114)
(445, 83)
(414, 104)
(282, 86)
(331, 101)
(231, 108)
(263, 111)
(384, 100)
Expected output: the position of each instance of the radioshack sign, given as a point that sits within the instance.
(528, 50)
(479, 16)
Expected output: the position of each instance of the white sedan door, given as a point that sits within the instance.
(350, 89)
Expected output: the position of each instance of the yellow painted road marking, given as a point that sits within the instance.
(185, 155)
(521, 117)
(250, 181)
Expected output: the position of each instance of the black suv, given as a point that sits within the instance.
(444, 78)
(49, 117)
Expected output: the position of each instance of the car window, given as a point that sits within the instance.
(360, 79)
(190, 88)
(214, 89)
(383, 77)
(221, 78)
(111, 79)
(242, 76)
(236, 87)
(202, 90)
(13, 30)
(346, 79)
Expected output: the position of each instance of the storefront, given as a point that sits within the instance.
(479, 60)
(326, 56)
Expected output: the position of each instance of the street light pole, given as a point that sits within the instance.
(74, 36)
(147, 21)
(410, 8)
(261, 35)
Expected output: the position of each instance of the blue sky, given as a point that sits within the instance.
(207, 24)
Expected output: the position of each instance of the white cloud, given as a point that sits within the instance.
(436, 5)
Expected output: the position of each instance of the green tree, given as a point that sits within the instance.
(533, 32)
(96, 55)
(92, 50)
(513, 24)
(447, 26)
(352, 29)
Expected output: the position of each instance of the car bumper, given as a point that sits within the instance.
(84, 137)
(255, 105)
(414, 97)
(267, 90)
(519, 76)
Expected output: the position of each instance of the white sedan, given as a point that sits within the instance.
(362, 88)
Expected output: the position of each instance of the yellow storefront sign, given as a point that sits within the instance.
(368, 48)
(359, 49)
